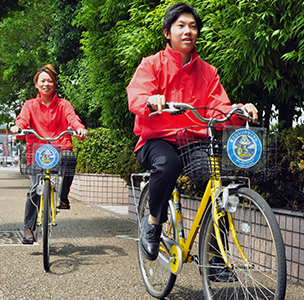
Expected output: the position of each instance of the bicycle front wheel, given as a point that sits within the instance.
(159, 280)
(46, 229)
(263, 275)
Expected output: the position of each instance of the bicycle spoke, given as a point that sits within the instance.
(258, 234)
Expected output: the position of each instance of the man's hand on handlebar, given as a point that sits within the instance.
(252, 111)
(157, 102)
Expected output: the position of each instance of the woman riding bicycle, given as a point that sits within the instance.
(49, 115)
(175, 74)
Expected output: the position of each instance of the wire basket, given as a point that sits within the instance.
(43, 156)
(203, 158)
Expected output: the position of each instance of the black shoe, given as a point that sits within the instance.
(28, 237)
(28, 241)
(64, 205)
(219, 272)
(150, 239)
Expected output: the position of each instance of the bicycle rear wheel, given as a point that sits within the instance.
(261, 240)
(46, 229)
(159, 281)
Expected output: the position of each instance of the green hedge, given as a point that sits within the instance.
(286, 191)
(109, 152)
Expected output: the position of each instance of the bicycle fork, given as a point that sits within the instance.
(217, 214)
(52, 199)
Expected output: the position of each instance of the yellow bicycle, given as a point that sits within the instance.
(48, 163)
(238, 232)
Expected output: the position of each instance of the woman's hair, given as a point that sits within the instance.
(49, 69)
(174, 11)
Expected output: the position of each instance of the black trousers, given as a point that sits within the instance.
(32, 199)
(165, 165)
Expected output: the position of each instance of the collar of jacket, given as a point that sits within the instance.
(176, 57)
(53, 102)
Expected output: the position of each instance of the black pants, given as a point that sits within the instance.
(32, 199)
(165, 165)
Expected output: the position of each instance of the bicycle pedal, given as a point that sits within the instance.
(55, 224)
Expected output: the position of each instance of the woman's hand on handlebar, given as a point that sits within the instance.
(157, 102)
(82, 133)
(252, 111)
(15, 129)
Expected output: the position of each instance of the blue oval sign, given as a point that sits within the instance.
(244, 148)
(47, 157)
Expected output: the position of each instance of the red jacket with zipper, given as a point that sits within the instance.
(48, 121)
(197, 83)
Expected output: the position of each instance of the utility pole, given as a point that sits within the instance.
(6, 146)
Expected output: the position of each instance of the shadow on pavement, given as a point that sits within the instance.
(84, 228)
(71, 256)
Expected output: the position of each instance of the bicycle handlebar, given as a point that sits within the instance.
(48, 139)
(179, 108)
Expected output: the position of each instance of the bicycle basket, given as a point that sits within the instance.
(195, 152)
(55, 158)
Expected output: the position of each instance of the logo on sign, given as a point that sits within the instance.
(244, 148)
(47, 157)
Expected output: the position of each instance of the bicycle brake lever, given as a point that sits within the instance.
(178, 112)
(241, 112)
(168, 108)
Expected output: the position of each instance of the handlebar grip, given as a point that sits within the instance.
(150, 106)
(245, 114)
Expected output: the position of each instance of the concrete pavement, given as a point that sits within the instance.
(89, 259)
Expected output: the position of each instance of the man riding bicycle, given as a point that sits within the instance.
(175, 74)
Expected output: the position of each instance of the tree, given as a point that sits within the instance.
(108, 75)
(96, 45)
(64, 44)
(7, 6)
(27, 44)
(258, 48)
(22, 50)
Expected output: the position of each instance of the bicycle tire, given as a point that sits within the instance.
(158, 280)
(262, 244)
(46, 229)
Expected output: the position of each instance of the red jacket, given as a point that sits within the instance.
(197, 83)
(48, 121)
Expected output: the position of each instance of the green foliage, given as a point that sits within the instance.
(257, 47)
(140, 35)
(22, 48)
(106, 152)
(287, 190)
(105, 79)
(96, 45)
(8, 6)
(64, 39)
(187, 187)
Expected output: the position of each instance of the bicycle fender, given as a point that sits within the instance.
(234, 186)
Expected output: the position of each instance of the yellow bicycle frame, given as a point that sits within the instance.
(53, 205)
(213, 188)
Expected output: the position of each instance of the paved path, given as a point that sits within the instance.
(88, 260)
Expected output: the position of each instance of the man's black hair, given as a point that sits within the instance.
(174, 11)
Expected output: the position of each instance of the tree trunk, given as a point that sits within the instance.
(286, 113)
